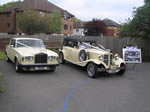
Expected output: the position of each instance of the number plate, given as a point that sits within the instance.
(40, 68)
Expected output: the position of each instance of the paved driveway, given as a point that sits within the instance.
(69, 89)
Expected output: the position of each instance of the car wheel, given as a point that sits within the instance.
(92, 70)
(7, 59)
(53, 69)
(123, 70)
(82, 55)
(17, 67)
(61, 58)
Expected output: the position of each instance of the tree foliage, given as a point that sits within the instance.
(75, 20)
(139, 26)
(33, 22)
(95, 27)
(56, 21)
(9, 4)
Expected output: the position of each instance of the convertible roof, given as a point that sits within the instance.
(78, 39)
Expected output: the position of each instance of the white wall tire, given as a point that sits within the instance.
(82, 55)
(17, 67)
(122, 71)
(92, 70)
(61, 58)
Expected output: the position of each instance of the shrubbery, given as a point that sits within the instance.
(2, 55)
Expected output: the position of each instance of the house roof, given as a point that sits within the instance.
(79, 24)
(42, 5)
(109, 22)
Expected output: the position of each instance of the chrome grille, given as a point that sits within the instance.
(111, 57)
(108, 59)
(40, 58)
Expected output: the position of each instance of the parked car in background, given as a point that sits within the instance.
(91, 55)
(30, 54)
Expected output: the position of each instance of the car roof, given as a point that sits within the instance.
(25, 38)
(80, 39)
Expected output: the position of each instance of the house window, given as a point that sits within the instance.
(70, 28)
(8, 24)
(77, 30)
(65, 27)
(42, 13)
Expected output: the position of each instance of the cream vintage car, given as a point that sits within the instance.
(30, 54)
(91, 55)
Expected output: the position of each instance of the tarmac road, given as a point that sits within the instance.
(69, 89)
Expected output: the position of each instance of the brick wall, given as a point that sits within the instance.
(68, 22)
(111, 31)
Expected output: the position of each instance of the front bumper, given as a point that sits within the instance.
(37, 67)
(111, 69)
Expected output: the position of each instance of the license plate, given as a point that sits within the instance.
(40, 68)
(113, 71)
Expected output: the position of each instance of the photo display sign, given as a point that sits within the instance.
(131, 54)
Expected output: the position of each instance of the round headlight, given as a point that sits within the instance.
(116, 56)
(28, 58)
(51, 58)
(101, 57)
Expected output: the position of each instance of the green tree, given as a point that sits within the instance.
(56, 21)
(75, 20)
(32, 22)
(9, 4)
(139, 26)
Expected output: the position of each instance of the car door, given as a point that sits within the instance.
(67, 50)
(11, 50)
(75, 53)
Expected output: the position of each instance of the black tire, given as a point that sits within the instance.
(82, 55)
(61, 58)
(123, 70)
(7, 58)
(17, 66)
(92, 70)
(53, 69)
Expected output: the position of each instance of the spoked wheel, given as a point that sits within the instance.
(82, 55)
(92, 70)
(17, 67)
(123, 70)
(61, 58)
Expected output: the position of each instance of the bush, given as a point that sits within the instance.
(2, 55)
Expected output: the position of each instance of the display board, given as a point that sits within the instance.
(131, 54)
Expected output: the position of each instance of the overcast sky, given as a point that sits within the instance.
(117, 10)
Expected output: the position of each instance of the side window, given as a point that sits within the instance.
(75, 44)
(70, 43)
(65, 43)
(12, 43)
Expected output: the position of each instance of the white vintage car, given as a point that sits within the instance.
(30, 54)
(91, 55)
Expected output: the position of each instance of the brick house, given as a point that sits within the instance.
(78, 28)
(111, 28)
(8, 16)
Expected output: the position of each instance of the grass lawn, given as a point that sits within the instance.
(2, 55)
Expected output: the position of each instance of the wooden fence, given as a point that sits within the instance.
(113, 43)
